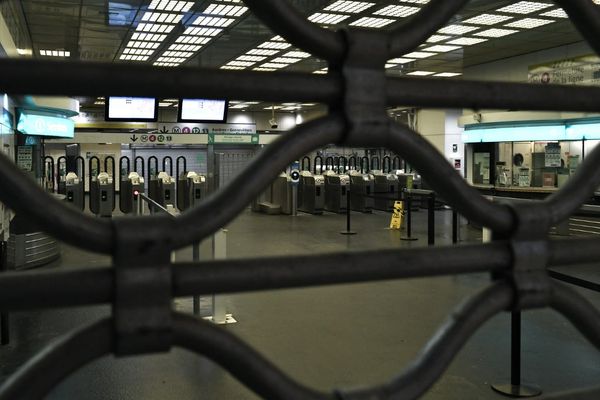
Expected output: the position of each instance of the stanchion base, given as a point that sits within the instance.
(229, 319)
(409, 239)
(517, 391)
(348, 233)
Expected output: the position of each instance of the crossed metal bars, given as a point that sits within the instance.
(517, 260)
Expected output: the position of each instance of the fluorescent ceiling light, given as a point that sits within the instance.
(457, 29)
(231, 67)
(213, 21)
(370, 22)
(466, 41)
(262, 52)
(241, 63)
(165, 104)
(496, 32)
(150, 27)
(277, 39)
(192, 39)
(441, 48)
(151, 37)
(25, 52)
(397, 11)
(327, 19)
(273, 65)
(447, 74)
(321, 71)
(401, 60)
(558, 13)
(421, 73)
(250, 58)
(273, 107)
(161, 17)
(416, 1)
(524, 7)
(419, 54)
(184, 47)
(437, 38)
(264, 69)
(143, 45)
(55, 53)
(239, 106)
(285, 60)
(530, 23)
(198, 31)
(274, 45)
(225, 10)
(169, 5)
(487, 19)
(185, 54)
(351, 7)
(297, 54)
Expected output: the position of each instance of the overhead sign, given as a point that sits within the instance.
(198, 129)
(45, 125)
(573, 71)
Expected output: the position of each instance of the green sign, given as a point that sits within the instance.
(224, 138)
(45, 125)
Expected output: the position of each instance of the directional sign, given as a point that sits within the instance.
(134, 138)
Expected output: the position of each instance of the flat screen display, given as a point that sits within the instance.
(202, 110)
(140, 109)
(33, 124)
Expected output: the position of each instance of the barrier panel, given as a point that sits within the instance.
(358, 91)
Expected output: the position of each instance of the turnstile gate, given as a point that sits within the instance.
(336, 191)
(311, 193)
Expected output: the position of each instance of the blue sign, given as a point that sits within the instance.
(45, 125)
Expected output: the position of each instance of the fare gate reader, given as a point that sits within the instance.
(362, 187)
(193, 190)
(386, 185)
(166, 190)
(74, 190)
(102, 195)
(336, 191)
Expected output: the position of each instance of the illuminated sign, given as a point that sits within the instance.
(45, 125)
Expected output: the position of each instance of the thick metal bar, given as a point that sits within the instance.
(422, 25)
(578, 310)
(58, 360)
(4, 317)
(436, 92)
(98, 79)
(585, 16)
(196, 259)
(285, 20)
(455, 226)
(447, 182)
(441, 350)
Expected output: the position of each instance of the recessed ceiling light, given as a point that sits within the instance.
(524, 7)
(321, 71)
(213, 21)
(487, 19)
(558, 13)
(262, 52)
(351, 7)
(285, 60)
(327, 19)
(441, 48)
(273, 65)
(370, 22)
(193, 39)
(447, 74)
(466, 41)
(421, 73)
(158, 28)
(24, 52)
(419, 54)
(530, 23)
(397, 11)
(199, 31)
(166, 18)
(231, 67)
(496, 32)
(274, 45)
(457, 29)
(165, 104)
(55, 53)
(437, 38)
(263, 69)
(250, 58)
(241, 63)
(297, 54)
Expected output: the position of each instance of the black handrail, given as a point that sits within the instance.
(305, 158)
(320, 165)
(178, 162)
(164, 164)
(141, 163)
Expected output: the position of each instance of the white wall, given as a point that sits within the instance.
(453, 138)
(432, 125)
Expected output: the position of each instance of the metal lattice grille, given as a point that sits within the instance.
(357, 91)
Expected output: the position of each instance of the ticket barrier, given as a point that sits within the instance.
(190, 190)
(61, 172)
(336, 191)
(74, 191)
(129, 199)
(362, 187)
(387, 188)
(102, 195)
(282, 193)
(311, 193)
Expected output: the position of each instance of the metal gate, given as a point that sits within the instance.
(141, 282)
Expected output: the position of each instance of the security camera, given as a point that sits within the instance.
(273, 123)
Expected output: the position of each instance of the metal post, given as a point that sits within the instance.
(140, 206)
(515, 388)
(454, 226)
(294, 200)
(4, 321)
(348, 231)
(408, 208)
(196, 259)
(431, 219)
(219, 313)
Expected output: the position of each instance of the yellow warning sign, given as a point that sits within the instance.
(396, 222)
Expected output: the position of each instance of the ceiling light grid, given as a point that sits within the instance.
(529, 23)
(524, 7)
(349, 7)
(397, 11)
(55, 53)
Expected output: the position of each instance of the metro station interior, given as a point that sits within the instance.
(299, 199)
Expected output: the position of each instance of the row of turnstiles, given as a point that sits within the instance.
(181, 191)
(337, 184)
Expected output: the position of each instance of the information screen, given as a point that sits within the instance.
(144, 109)
(202, 110)
(45, 125)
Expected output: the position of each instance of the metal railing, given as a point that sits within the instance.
(358, 91)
